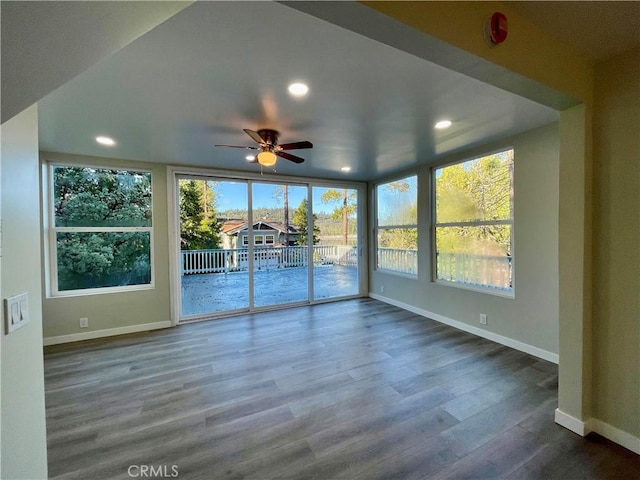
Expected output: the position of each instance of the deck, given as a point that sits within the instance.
(218, 292)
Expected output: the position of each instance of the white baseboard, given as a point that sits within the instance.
(614, 434)
(610, 432)
(108, 332)
(509, 342)
(571, 423)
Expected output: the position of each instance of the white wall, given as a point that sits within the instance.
(24, 446)
(531, 318)
(124, 312)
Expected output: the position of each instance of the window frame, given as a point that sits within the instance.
(378, 228)
(52, 230)
(269, 239)
(488, 289)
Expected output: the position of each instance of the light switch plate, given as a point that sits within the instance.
(16, 312)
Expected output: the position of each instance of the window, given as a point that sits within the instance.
(245, 240)
(270, 239)
(397, 226)
(258, 239)
(474, 222)
(101, 229)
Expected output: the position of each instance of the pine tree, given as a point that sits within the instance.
(199, 225)
(300, 222)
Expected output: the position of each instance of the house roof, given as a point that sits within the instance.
(232, 227)
(229, 225)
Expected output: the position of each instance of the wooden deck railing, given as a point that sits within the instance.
(265, 258)
(481, 270)
(398, 260)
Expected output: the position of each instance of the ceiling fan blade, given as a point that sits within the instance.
(254, 135)
(237, 146)
(290, 157)
(296, 145)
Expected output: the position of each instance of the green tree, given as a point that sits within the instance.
(475, 191)
(87, 197)
(300, 222)
(397, 206)
(199, 225)
(345, 209)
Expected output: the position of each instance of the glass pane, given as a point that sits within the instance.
(335, 249)
(213, 238)
(280, 270)
(94, 197)
(94, 260)
(398, 250)
(478, 255)
(397, 202)
(479, 189)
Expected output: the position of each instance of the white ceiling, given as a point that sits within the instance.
(215, 68)
(35, 33)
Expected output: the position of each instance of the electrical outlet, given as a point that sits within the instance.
(483, 319)
(84, 322)
(381, 288)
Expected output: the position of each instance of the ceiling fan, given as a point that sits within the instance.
(270, 149)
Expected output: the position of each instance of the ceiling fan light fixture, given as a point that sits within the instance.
(266, 158)
(267, 140)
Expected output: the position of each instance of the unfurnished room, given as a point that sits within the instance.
(320, 240)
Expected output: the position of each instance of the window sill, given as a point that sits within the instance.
(411, 276)
(511, 294)
(101, 291)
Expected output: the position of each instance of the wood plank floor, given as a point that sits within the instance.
(348, 390)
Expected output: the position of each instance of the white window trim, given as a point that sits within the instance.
(52, 230)
(487, 289)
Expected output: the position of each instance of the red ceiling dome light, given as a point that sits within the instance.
(496, 28)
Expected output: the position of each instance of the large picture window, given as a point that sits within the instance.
(397, 226)
(474, 222)
(101, 226)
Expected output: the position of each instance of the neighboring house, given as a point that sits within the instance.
(235, 234)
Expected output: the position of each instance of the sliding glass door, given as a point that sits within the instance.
(281, 252)
(335, 250)
(248, 244)
(214, 266)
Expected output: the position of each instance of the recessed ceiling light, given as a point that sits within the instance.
(442, 124)
(250, 158)
(106, 141)
(298, 89)
(346, 169)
